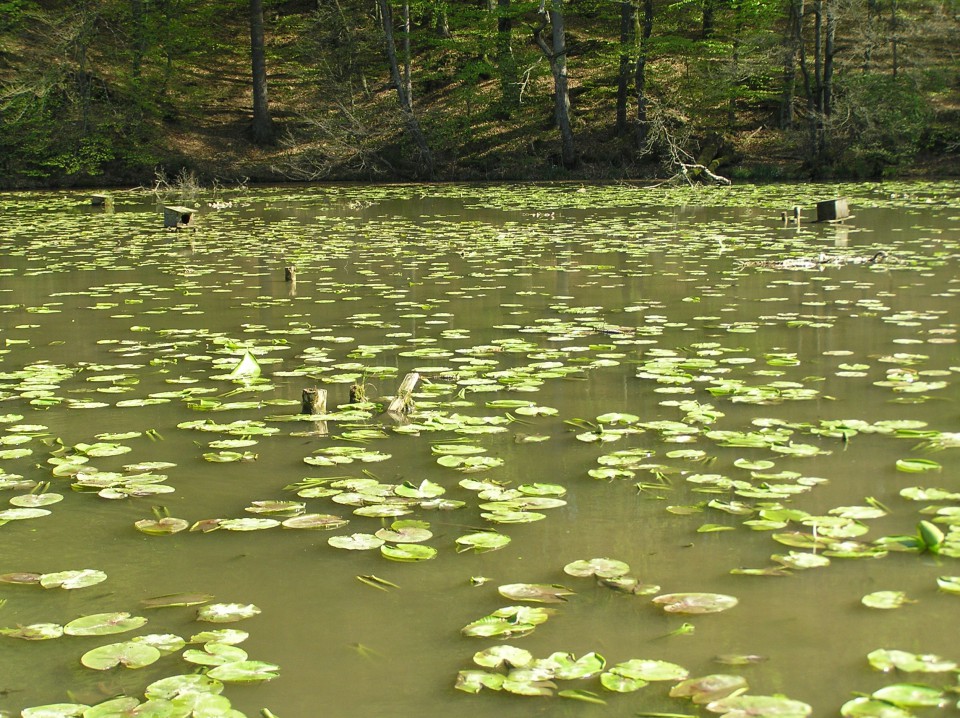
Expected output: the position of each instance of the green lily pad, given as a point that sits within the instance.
(226, 612)
(103, 624)
(244, 672)
(885, 599)
(356, 542)
(695, 603)
(55, 710)
(707, 689)
(503, 655)
(910, 695)
(127, 654)
(473, 681)
(599, 567)
(407, 552)
(481, 541)
(747, 706)
(863, 707)
(537, 592)
(177, 599)
(888, 660)
(34, 631)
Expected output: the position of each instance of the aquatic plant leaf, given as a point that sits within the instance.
(226, 612)
(231, 636)
(177, 599)
(472, 681)
(112, 708)
(34, 631)
(537, 592)
(215, 654)
(885, 599)
(910, 695)
(321, 522)
(707, 689)
(503, 655)
(619, 683)
(183, 688)
(248, 524)
(162, 527)
(949, 584)
(55, 710)
(916, 466)
(356, 542)
(127, 654)
(247, 368)
(164, 642)
(798, 560)
(408, 552)
(747, 706)
(863, 707)
(695, 603)
(103, 624)
(36, 500)
(578, 694)
(599, 567)
(245, 672)
(22, 577)
(528, 688)
(481, 541)
(887, 660)
(650, 670)
(22, 514)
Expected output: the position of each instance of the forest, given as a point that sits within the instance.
(140, 92)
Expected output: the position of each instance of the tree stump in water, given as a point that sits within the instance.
(403, 401)
(313, 401)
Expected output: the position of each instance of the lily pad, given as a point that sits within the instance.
(695, 603)
(103, 624)
(537, 592)
(599, 567)
(127, 654)
(226, 612)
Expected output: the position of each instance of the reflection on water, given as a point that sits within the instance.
(583, 301)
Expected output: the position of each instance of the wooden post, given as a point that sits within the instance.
(313, 401)
(290, 274)
(403, 401)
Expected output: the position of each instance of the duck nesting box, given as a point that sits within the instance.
(177, 217)
(832, 210)
(101, 200)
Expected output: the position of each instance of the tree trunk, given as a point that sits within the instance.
(640, 75)
(628, 39)
(403, 82)
(556, 53)
(828, 52)
(506, 62)
(263, 133)
(791, 47)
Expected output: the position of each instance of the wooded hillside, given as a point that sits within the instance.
(119, 91)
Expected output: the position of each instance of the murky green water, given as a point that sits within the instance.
(720, 336)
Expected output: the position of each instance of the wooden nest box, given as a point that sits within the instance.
(101, 200)
(177, 217)
(833, 210)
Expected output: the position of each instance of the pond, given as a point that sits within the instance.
(657, 435)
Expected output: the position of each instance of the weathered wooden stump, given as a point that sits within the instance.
(177, 217)
(313, 401)
(832, 210)
(403, 401)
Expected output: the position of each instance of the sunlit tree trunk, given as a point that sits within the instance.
(403, 81)
(506, 61)
(556, 53)
(262, 123)
(628, 39)
(640, 75)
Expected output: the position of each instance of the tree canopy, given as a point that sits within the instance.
(111, 91)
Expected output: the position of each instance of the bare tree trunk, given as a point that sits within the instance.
(828, 52)
(791, 47)
(628, 39)
(506, 62)
(640, 75)
(263, 133)
(894, 39)
(403, 82)
(556, 53)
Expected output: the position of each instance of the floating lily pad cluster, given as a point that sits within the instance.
(715, 419)
(219, 659)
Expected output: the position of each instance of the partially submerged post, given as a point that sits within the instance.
(102, 200)
(313, 401)
(290, 274)
(403, 401)
(833, 210)
(177, 217)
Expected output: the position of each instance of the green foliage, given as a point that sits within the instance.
(888, 118)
